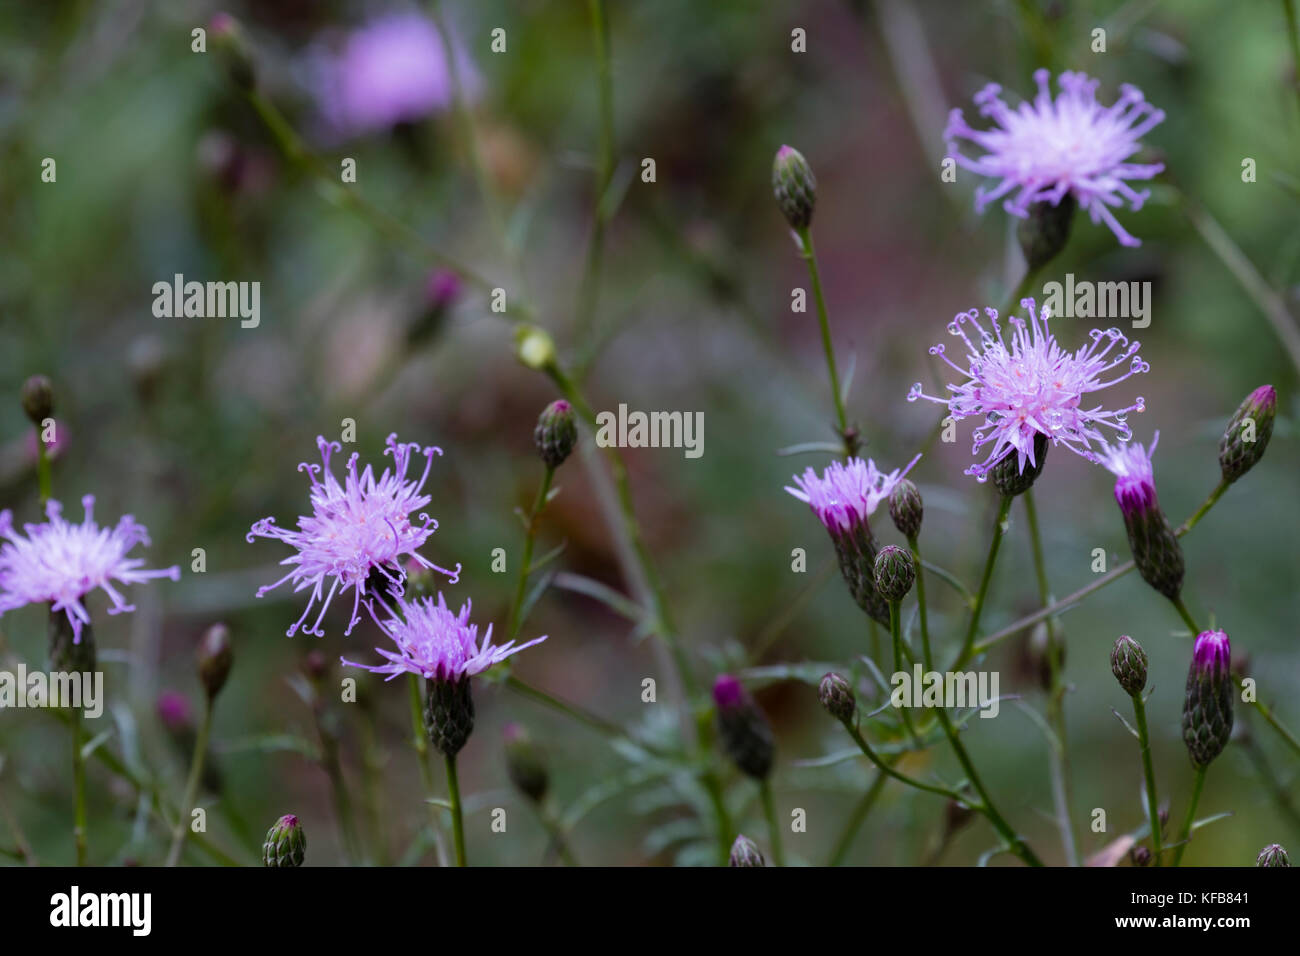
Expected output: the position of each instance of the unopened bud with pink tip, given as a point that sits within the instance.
(1207, 706)
(1247, 434)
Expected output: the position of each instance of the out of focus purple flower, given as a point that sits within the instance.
(442, 288)
(59, 563)
(437, 644)
(392, 70)
(1030, 386)
(356, 532)
(1051, 148)
(174, 711)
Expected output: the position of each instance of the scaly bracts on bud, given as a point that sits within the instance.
(448, 714)
(1011, 478)
(286, 843)
(38, 399)
(1272, 855)
(215, 659)
(1155, 547)
(1247, 434)
(1128, 662)
(745, 853)
(795, 187)
(556, 433)
(1044, 232)
(746, 734)
(837, 697)
(894, 572)
(906, 509)
(1207, 707)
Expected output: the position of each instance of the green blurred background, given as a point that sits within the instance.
(196, 426)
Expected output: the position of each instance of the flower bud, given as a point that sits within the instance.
(1207, 708)
(837, 697)
(286, 843)
(745, 853)
(795, 187)
(215, 658)
(955, 816)
(1247, 434)
(524, 763)
(895, 573)
(1155, 547)
(1128, 662)
(745, 732)
(70, 654)
(1272, 855)
(906, 509)
(556, 433)
(1140, 856)
(448, 714)
(38, 399)
(441, 290)
(228, 40)
(1007, 475)
(1046, 230)
(534, 347)
(315, 666)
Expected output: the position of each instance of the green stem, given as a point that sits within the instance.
(457, 818)
(1030, 620)
(1277, 725)
(1058, 754)
(1293, 34)
(588, 295)
(1153, 806)
(530, 536)
(810, 257)
(896, 632)
(773, 825)
(556, 832)
(889, 771)
(191, 785)
(1186, 615)
(999, 530)
(1197, 785)
(79, 789)
(44, 481)
(856, 819)
(915, 547)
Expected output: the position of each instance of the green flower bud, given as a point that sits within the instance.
(1207, 707)
(1044, 233)
(745, 853)
(525, 764)
(38, 399)
(1128, 662)
(286, 843)
(215, 659)
(1007, 476)
(1247, 434)
(1272, 855)
(448, 714)
(534, 347)
(745, 733)
(837, 697)
(894, 573)
(556, 433)
(228, 40)
(906, 509)
(795, 187)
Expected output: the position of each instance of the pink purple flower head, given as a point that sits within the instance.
(1135, 484)
(1025, 384)
(1212, 653)
(845, 495)
(357, 532)
(437, 644)
(392, 70)
(1070, 145)
(60, 563)
(728, 692)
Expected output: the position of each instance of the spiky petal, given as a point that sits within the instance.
(1024, 384)
(1051, 148)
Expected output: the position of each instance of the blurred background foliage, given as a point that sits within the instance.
(196, 426)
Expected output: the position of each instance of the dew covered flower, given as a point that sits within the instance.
(392, 70)
(59, 563)
(1050, 148)
(846, 494)
(1025, 385)
(436, 644)
(357, 532)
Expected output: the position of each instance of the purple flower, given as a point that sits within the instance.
(60, 563)
(392, 70)
(728, 692)
(356, 532)
(1135, 484)
(845, 495)
(1068, 146)
(437, 644)
(1212, 654)
(1033, 386)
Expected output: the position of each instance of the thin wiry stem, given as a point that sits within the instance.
(809, 255)
(1148, 775)
(191, 785)
(1197, 786)
(999, 531)
(457, 816)
(773, 824)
